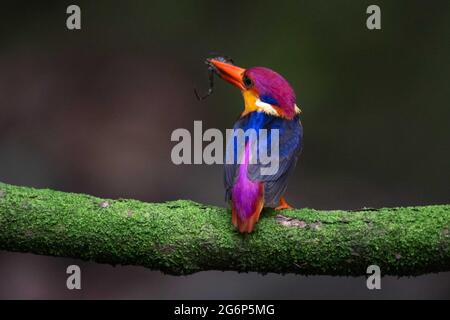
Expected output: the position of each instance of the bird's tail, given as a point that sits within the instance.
(241, 220)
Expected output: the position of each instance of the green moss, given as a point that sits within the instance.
(182, 237)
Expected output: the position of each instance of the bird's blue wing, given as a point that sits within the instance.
(290, 145)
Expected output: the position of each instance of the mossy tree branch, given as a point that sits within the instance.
(183, 237)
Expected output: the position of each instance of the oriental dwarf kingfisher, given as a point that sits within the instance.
(269, 102)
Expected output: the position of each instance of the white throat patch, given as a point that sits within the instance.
(269, 109)
(266, 107)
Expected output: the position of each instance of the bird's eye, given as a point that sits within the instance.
(247, 81)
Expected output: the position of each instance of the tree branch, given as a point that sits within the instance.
(183, 237)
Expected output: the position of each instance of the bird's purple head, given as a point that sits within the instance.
(263, 89)
(273, 89)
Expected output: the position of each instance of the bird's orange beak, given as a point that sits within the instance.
(229, 72)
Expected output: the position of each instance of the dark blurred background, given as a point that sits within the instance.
(92, 111)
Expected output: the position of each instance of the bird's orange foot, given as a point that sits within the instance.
(283, 205)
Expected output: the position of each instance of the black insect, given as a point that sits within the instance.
(211, 71)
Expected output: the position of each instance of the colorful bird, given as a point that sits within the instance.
(270, 103)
